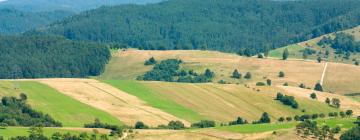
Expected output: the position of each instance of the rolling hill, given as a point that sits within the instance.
(250, 26)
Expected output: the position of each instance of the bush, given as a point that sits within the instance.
(268, 82)
(313, 95)
(151, 61)
(260, 84)
(248, 75)
(176, 125)
(236, 74)
(281, 74)
(318, 87)
(264, 118)
(302, 85)
(140, 125)
(238, 121)
(204, 124)
(281, 119)
(287, 100)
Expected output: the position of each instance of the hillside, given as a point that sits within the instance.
(251, 26)
(297, 50)
(16, 22)
(130, 64)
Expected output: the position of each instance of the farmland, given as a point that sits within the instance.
(67, 110)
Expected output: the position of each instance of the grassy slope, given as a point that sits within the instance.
(218, 102)
(296, 49)
(127, 65)
(63, 108)
(155, 99)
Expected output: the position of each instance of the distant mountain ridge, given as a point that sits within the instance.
(67, 5)
(15, 21)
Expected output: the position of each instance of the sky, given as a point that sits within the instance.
(2, 0)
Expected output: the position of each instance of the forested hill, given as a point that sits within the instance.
(50, 56)
(226, 25)
(67, 5)
(13, 21)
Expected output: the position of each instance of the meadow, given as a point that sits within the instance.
(24, 131)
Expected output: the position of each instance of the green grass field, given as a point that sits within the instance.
(155, 99)
(294, 51)
(23, 131)
(344, 123)
(65, 109)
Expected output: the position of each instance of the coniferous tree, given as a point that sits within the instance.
(285, 54)
(318, 87)
(236, 74)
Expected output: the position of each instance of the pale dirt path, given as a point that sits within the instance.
(128, 108)
(346, 103)
(323, 74)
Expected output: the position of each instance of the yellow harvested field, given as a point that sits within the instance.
(129, 109)
(128, 64)
(346, 103)
(224, 103)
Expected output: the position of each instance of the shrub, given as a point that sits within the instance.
(236, 74)
(287, 100)
(140, 125)
(151, 61)
(248, 75)
(349, 113)
(302, 85)
(176, 125)
(352, 134)
(288, 119)
(264, 118)
(204, 124)
(281, 74)
(285, 84)
(313, 95)
(318, 87)
(260, 84)
(281, 119)
(268, 82)
(238, 121)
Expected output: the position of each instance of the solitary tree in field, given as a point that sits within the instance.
(349, 113)
(281, 74)
(264, 118)
(318, 87)
(268, 81)
(285, 54)
(248, 75)
(236, 74)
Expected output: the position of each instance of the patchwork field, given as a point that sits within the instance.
(67, 110)
(127, 108)
(218, 102)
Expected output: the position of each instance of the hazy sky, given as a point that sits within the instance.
(2, 0)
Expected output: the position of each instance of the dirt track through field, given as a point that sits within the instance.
(346, 103)
(128, 108)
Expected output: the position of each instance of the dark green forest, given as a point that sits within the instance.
(50, 56)
(14, 22)
(227, 25)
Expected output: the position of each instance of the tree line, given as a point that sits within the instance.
(50, 56)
